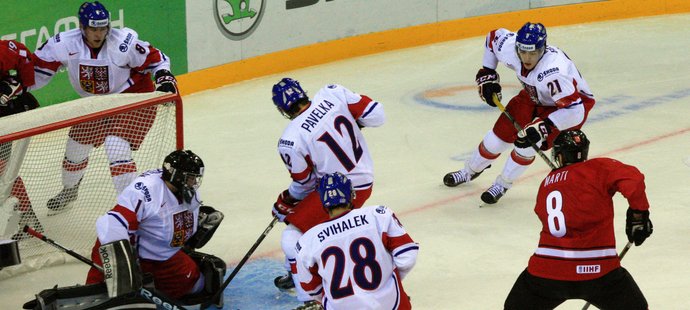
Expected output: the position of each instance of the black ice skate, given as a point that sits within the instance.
(493, 194)
(284, 282)
(61, 201)
(456, 178)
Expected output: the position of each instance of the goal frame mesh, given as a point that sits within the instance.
(49, 125)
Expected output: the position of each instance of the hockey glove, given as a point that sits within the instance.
(209, 220)
(21, 103)
(488, 85)
(165, 81)
(9, 88)
(535, 132)
(638, 226)
(284, 206)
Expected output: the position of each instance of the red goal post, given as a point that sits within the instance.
(32, 149)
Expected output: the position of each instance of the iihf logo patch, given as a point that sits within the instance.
(584, 269)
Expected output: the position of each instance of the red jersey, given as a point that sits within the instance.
(15, 56)
(575, 207)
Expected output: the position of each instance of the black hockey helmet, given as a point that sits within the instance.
(573, 147)
(184, 170)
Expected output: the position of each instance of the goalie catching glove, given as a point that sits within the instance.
(209, 220)
(638, 226)
(488, 85)
(165, 81)
(535, 132)
(284, 205)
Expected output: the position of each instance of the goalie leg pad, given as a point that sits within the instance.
(213, 269)
(120, 268)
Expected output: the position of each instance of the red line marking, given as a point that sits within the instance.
(276, 252)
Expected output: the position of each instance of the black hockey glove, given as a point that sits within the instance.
(535, 132)
(165, 81)
(638, 226)
(9, 88)
(21, 103)
(488, 85)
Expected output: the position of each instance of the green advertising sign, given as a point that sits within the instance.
(161, 23)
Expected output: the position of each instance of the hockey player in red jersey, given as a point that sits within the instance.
(576, 257)
(554, 97)
(103, 60)
(16, 75)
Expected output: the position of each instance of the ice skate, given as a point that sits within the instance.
(310, 305)
(62, 201)
(461, 176)
(284, 282)
(494, 193)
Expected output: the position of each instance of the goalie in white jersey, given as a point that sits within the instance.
(102, 60)
(161, 215)
(358, 258)
(555, 97)
(323, 136)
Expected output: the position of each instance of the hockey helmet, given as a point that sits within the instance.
(335, 189)
(531, 37)
(184, 170)
(286, 94)
(93, 14)
(573, 147)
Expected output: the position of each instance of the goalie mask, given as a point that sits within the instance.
(335, 189)
(184, 170)
(572, 146)
(286, 94)
(93, 14)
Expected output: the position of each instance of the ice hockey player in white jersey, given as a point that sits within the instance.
(555, 97)
(161, 215)
(358, 258)
(102, 60)
(323, 136)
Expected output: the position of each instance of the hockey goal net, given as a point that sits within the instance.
(32, 152)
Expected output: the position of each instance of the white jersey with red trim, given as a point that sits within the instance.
(148, 214)
(122, 61)
(554, 81)
(357, 260)
(326, 138)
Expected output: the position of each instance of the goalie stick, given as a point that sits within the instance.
(543, 156)
(207, 303)
(620, 257)
(160, 300)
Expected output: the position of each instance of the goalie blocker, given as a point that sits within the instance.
(120, 268)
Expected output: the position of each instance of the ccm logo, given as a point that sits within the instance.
(581, 269)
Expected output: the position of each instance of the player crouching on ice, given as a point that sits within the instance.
(159, 214)
(367, 246)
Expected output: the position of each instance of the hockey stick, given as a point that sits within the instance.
(620, 257)
(234, 272)
(519, 128)
(161, 301)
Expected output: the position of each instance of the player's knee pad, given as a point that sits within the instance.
(495, 145)
(289, 238)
